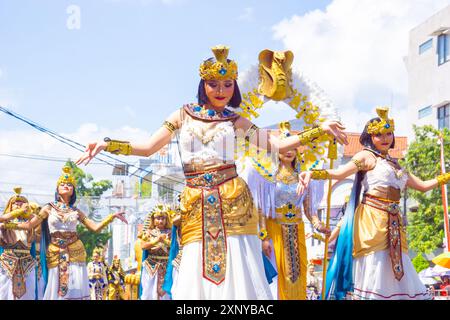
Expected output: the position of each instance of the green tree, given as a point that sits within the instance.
(420, 263)
(92, 190)
(426, 225)
(146, 189)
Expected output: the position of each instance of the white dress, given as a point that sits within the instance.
(8, 264)
(372, 273)
(78, 286)
(244, 276)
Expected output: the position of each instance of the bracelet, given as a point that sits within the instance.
(310, 135)
(320, 174)
(358, 164)
(169, 126)
(17, 213)
(443, 178)
(118, 147)
(263, 234)
(11, 226)
(107, 221)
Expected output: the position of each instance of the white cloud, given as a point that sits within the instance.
(247, 15)
(354, 50)
(39, 177)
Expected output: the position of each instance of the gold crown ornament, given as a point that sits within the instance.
(15, 198)
(67, 177)
(386, 125)
(221, 69)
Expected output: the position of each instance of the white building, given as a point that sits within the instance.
(428, 66)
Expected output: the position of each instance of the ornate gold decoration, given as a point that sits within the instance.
(67, 177)
(275, 74)
(320, 175)
(169, 126)
(310, 134)
(358, 164)
(263, 235)
(222, 69)
(443, 178)
(386, 125)
(118, 147)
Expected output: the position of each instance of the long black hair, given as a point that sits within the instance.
(366, 139)
(235, 100)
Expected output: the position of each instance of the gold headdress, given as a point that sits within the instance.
(222, 69)
(386, 125)
(15, 198)
(67, 177)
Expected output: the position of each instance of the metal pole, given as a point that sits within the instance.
(444, 195)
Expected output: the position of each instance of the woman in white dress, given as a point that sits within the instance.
(17, 264)
(219, 224)
(63, 256)
(371, 259)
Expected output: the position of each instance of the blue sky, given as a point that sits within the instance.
(131, 62)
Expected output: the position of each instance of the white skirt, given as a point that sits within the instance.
(245, 278)
(6, 286)
(78, 283)
(375, 280)
(150, 286)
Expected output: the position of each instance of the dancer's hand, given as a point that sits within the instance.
(336, 129)
(91, 151)
(267, 248)
(304, 178)
(301, 187)
(323, 229)
(120, 216)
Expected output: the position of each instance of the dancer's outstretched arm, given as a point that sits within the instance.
(158, 140)
(97, 227)
(263, 139)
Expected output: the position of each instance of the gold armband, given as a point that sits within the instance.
(443, 178)
(17, 213)
(358, 164)
(320, 174)
(263, 234)
(310, 135)
(118, 147)
(11, 226)
(107, 221)
(169, 126)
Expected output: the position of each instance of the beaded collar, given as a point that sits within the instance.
(62, 207)
(199, 112)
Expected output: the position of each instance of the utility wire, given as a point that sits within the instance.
(80, 147)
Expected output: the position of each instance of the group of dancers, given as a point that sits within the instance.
(238, 232)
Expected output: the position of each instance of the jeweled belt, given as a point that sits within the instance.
(288, 214)
(211, 178)
(214, 241)
(394, 236)
(62, 240)
(17, 261)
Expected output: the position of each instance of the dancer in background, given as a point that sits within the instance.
(371, 258)
(281, 214)
(63, 257)
(18, 265)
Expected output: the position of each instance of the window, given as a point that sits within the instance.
(443, 48)
(425, 112)
(443, 117)
(425, 46)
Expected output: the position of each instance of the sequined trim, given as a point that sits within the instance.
(292, 256)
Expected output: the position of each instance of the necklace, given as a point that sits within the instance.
(398, 171)
(287, 175)
(201, 112)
